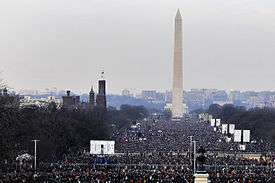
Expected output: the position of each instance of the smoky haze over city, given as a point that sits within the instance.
(138, 92)
(64, 44)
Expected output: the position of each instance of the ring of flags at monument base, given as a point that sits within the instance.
(239, 136)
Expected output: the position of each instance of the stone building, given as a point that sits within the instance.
(71, 101)
(101, 96)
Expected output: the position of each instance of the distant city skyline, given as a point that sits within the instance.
(130, 92)
(194, 99)
(65, 44)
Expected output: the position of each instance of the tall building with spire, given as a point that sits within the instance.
(73, 102)
(177, 92)
(101, 96)
(91, 99)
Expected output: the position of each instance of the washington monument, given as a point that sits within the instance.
(177, 98)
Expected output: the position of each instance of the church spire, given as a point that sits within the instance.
(92, 89)
(91, 99)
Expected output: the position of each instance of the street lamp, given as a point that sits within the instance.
(190, 150)
(194, 169)
(35, 145)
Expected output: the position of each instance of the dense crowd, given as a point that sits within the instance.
(163, 136)
(168, 159)
(83, 173)
(157, 151)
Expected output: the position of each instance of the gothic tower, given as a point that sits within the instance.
(101, 96)
(91, 99)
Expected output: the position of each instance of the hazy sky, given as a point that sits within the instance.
(228, 44)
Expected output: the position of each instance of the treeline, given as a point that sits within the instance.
(61, 132)
(261, 121)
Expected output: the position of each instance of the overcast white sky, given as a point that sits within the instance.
(65, 43)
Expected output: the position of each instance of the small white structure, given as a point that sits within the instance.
(218, 122)
(232, 128)
(224, 128)
(102, 147)
(242, 147)
(210, 117)
(202, 116)
(227, 139)
(246, 136)
(213, 122)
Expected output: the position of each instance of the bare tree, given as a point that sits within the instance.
(2, 82)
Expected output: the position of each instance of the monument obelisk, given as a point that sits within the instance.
(177, 93)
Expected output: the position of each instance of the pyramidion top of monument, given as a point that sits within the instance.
(178, 16)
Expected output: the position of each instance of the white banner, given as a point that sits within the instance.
(218, 122)
(246, 135)
(212, 122)
(238, 136)
(224, 128)
(231, 128)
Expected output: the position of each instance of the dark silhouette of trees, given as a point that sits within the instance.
(61, 132)
(215, 110)
(261, 121)
(127, 115)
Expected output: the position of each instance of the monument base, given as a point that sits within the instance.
(201, 177)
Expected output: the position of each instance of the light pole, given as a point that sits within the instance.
(35, 147)
(190, 150)
(194, 167)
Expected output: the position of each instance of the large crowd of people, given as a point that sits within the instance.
(85, 173)
(157, 151)
(163, 136)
